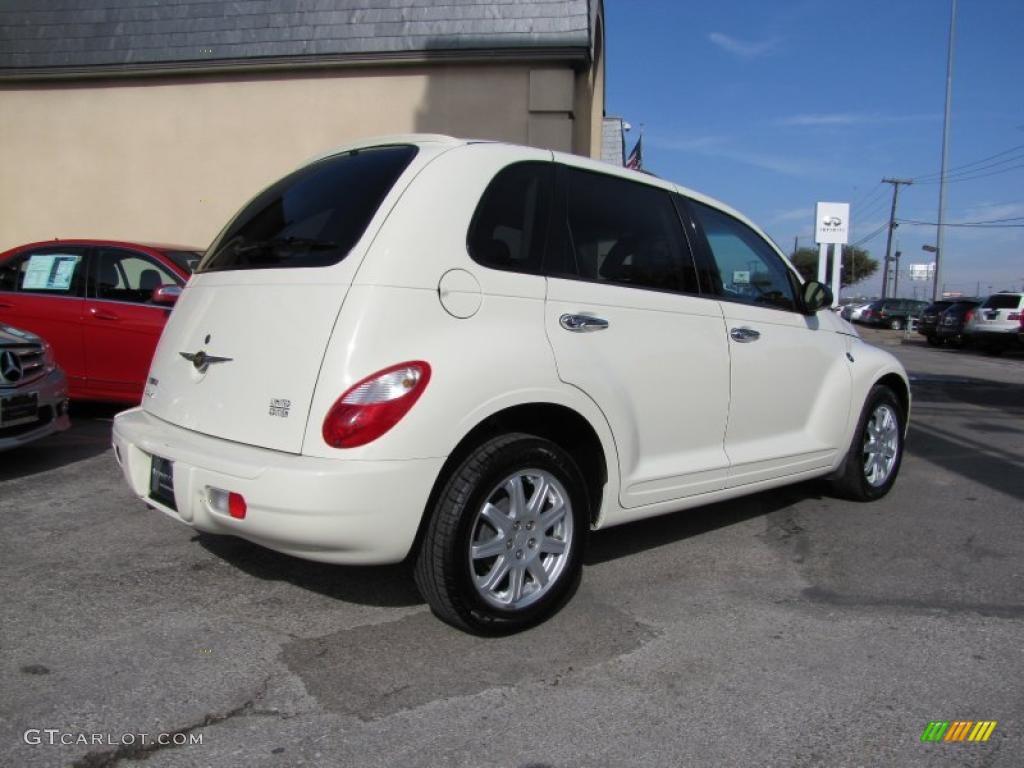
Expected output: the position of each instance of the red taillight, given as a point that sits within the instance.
(236, 506)
(968, 315)
(371, 407)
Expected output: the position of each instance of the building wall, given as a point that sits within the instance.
(171, 159)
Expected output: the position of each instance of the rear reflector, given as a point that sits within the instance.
(236, 506)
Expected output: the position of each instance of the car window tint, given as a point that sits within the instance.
(312, 217)
(1002, 301)
(510, 224)
(121, 275)
(623, 232)
(750, 269)
(53, 271)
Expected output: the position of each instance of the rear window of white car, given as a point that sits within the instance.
(1002, 301)
(312, 217)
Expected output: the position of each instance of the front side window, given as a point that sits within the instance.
(53, 271)
(750, 270)
(510, 223)
(623, 232)
(312, 217)
(120, 275)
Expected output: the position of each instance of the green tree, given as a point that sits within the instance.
(857, 264)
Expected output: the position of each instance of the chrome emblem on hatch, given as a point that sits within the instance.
(201, 361)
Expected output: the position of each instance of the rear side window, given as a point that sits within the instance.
(623, 232)
(510, 224)
(313, 217)
(1002, 301)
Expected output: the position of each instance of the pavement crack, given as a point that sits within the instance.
(176, 738)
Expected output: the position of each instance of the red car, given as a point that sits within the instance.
(101, 305)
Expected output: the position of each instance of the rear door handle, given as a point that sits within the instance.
(582, 323)
(99, 314)
(744, 335)
(4, 305)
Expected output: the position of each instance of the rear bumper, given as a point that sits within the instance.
(52, 391)
(329, 510)
(1002, 338)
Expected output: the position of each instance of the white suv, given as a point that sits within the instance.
(472, 354)
(994, 325)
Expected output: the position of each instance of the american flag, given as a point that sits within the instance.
(636, 157)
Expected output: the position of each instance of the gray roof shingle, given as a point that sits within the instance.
(37, 35)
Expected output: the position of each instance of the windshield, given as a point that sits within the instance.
(314, 216)
(187, 260)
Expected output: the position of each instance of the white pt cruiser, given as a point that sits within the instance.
(472, 354)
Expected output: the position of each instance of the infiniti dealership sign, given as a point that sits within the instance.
(832, 223)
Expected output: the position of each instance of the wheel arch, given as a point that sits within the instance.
(901, 389)
(556, 422)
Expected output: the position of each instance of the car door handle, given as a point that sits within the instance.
(582, 323)
(4, 305)
(744, 335)
(99, 314)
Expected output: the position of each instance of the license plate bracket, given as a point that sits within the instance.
(161, 482)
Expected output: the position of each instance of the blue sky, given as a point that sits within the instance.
(772, 106)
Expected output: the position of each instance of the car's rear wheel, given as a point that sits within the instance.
(896, 324)
(502, 550)
(934, 341)
(875, 455)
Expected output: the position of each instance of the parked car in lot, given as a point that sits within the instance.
(852, 312)
(927, 323)
(101, 303)
(995, 323)
(892, 313)
(33, 389)
(480, 352)
(950, 327)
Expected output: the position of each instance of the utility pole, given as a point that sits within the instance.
(939, 253)
(892, 225)
(896, 275)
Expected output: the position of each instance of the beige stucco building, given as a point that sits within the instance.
(156, 122)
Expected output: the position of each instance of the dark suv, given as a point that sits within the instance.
(928, 323)
(892, 313)
(950, 328)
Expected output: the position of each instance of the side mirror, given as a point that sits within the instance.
(816, 296)
(166, 295)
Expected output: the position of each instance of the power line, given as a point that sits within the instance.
(922, 178)
(954, 179)
(868, 238)
(991, 224)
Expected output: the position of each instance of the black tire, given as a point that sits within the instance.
(896, 324)
(445, 570)
(851, 480)
(935, 341)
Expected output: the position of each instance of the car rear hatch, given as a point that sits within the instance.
(999, 312)
(240, 355)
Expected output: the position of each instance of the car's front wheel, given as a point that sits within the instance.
(875, 455)
(502, 550)
(896, 324)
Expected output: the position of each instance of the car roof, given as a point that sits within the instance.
(112, 243)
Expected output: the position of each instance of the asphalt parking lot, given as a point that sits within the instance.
(785, 629)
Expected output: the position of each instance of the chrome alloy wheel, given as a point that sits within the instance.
(521, 539)
(881, 444)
